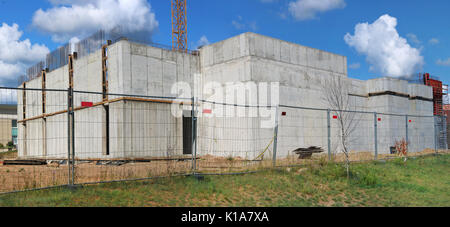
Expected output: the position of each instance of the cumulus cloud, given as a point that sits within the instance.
(203, 41)
(16, 54)
(8, 96)
(308, 9)
(386, 51)
(9, 70)
(68, 19)
(14, 50)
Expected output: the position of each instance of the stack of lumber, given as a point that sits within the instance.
(306, 153)
(24, 162)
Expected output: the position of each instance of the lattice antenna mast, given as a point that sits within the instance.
(179, 25)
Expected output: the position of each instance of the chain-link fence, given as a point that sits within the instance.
(233, 138)
(36, 125)
(66, 137)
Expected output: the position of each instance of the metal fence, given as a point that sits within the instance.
(68, 137)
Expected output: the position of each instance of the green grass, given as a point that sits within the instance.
(421, 182)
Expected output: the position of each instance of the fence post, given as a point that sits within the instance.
(376, 134)
(407, 129)
(329, 133)
(275, 139)
(445, 130)
(194, 155)
(73, 135)
(195, 134)
(435, 135)
(69, 137)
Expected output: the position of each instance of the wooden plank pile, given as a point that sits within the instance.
(306, 153)
(24, 162)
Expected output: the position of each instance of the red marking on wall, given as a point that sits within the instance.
(379, 119)
(283, 114)
(335, 117)
(87, 104)
(207, 111)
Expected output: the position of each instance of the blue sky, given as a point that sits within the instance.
(424, 24)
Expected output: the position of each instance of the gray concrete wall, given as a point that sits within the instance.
(137, 129)
(301, 72)
(143, 129)
(149, 71)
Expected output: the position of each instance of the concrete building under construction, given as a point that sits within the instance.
(140, 125)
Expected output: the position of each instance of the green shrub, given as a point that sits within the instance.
(1, 146)
(10, 144)
(399, 162)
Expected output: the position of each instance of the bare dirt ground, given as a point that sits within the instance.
(16, 178)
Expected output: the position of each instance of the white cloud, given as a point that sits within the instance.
(203, 41)
(413, 38)
(433, 41)
(8, 96)
(16, 54)
(14, 50)
(387, 52)
(9, 70)
(443, 62)
(69, 19)
(307, 9)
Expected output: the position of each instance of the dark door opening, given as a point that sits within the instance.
(187, 134)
